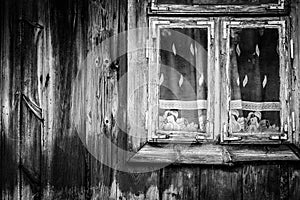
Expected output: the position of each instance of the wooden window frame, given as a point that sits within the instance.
(217, 149)
(155, 24)
(280, 7)
(287, 121)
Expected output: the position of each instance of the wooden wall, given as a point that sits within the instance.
(52, 53)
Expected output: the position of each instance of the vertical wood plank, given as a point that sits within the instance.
(10, 63)
(261, 182)
(284, 181)
(180, 183)
(64, 157)
(45, 54)
(31, 125)
(137, 73)
(220, 183)
(138, 185)
(294, 183)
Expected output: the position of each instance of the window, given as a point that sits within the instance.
(257, 80)
(181, 79)
(219, 73)
(184, 80)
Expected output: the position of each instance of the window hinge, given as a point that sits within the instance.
(293, 122)
(292, 49)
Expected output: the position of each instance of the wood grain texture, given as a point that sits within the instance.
(220, 183)
(137, 74)
(180, 183)
(212, 154)
(181, 153)
(58, 69)
(294, 182)
(261, 182)
(30, 157)
(10, 63)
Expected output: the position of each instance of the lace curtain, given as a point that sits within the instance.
(183, 79)
(255, 80)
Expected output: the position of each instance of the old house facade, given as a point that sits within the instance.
(162, 99)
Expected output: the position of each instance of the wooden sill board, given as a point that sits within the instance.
(212, 154)
(248, 153)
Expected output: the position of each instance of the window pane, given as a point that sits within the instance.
(183, 79)
(255, 80)
(218, 2)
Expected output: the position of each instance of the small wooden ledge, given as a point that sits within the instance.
(213, 154)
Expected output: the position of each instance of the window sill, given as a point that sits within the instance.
(213, 154)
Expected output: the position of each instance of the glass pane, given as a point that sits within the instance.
(255, 80)
(217, 2)
(183, 79)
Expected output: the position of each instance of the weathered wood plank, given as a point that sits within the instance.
(179, 183)
(10, 64)
(220, 183)
(31, 125)
(137, 185)
(210, 154)
(137, 74)
(64, 157)
(46, 94)
(182, 153)
(294, 182)
(284, 181)
(261, 182)
(252, 153)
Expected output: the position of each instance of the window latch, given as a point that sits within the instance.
(155, 138)
(159, 8)
(200, 138)
(279, 137)
(232, 138)
(161, 137)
